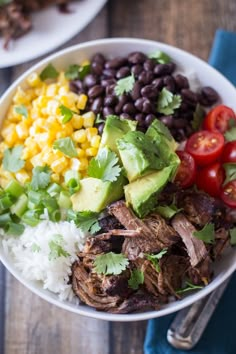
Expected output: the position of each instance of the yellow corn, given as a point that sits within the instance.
(59, 165)
(74, 164)
(83, 164)
(77, 121)
(85, 145)
(80, 152)
(55, 177)
(82, 100)
(91, 132)
(79, 136)
(22, 176)
(34, 80)
(89, 119)
(95, 141)
(22, 130)
(9, 134)
(92, 151)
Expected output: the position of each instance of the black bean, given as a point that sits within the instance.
(118, 108)
(109, 73)
(149, 64)
(189, 96)
(210, 94)
(129, 108)
(125, 116)
(123, 99)
(149, 119)
(169, 83)
(137, 58)
(73, 87)
(146, 77)
(167, 120)
(107, 111)
(123, 72)
(147, 106)
(158, 83)
(180, 123)
(99, 58)
(149, 91)
(107, 82)
(97, 68)
(139, 103)
(115, 63)
(95, 91)
(140, 118)
(100, 128)
(136, 70)
(172, 67)
(162, 69)
(184, 107)
(97, 105)
(110, 101)
(110, 89)
(136, 91)
(90, 80)
(181, 81)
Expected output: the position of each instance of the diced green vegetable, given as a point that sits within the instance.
(5, 202)
(14, 188)
(54, 189)
(5, 219)
(15, 229)
(20, 206)
(30, 217)
(64, 201)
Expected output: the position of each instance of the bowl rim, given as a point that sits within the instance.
(82, 309)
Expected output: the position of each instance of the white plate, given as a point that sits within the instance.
(51, 28)
(186, 62)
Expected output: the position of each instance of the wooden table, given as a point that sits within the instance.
(32, 326)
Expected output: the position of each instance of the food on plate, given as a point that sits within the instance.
(15, 18)
(117, 181)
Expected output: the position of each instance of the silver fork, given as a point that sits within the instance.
(190, 323)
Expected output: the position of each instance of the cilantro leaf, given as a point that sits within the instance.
(230, 172)
(41, 177)
(154, 258)
(168, 102)
(198, 117)
(230, 135)
(189, 287)
(35, 247)
(75, 71)
(232, 233)
(161, 57)
(22, 110)
(49, 72)
(67, 113)
(65, 145)
(136, 279)
(12, 159)
(99, 119)
(124, 85)
(167, 211)
(56, 249)
(110, 263)
(206, 234)
(104, 166)
(87, 221)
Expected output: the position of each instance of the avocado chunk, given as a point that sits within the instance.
(139, 155)
(95, 195)
(115, 128)
(142, 194)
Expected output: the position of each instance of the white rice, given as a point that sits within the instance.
(36, 265)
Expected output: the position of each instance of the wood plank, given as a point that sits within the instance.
(34, 326)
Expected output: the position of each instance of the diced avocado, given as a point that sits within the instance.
(115, 128)
(139, 155)
(95, 195)
(142, 194)
(159, 132)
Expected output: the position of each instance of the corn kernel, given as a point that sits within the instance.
(92, 151)
(52, 90)
(9, 134)
(79, 136)
(82, 100)
(28, 166)
(80, 152)
(85, 62)
(20, 96)
(43, 139)
(22, 176)
(63, 90)
(83, 164)
(22, 130)
(59, 165)
(95, 141)
(34, 80)
(36, 160)
(91, 132)
(55, 177)
(85, 145)
(74, 164)
(77, 121)
(89, 119)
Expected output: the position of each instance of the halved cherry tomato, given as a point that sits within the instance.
(210, 179)
(217, 120)
(205, 146)
(229, 152)
(186, 172)
(228, 194)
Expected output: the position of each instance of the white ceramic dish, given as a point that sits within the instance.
(51, 29)
(206, 76)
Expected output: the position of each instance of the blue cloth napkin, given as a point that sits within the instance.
(219, 336)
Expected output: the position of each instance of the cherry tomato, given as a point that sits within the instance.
(205, 146)
(228, 194)
(210, 179)
(229, 152)
(186, 172)
(217, 120)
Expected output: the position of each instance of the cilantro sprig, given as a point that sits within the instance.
(75, 71)
(230, 172)
(22, 110)
(198, 117)
(41, 177)
(154, 258)
(189, 287)
(87, 221)
(167, 102)
(56, 248)
(65, 145)
(12, 161)
(124, 85)
(160, 57)
(110, 263)
(66, 113)
(104, 166)
(49, 72)
(168, 211)
(136, 279)
(206, 234)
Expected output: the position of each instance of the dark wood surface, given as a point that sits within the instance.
(33, 326)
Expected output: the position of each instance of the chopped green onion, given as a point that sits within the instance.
(64, 201)
(54, 189)
(30, 217)
(15, 229)
(5, 203)
(20, 207)
(5, 219)
(14, 188)
(72, 181)
(55, 216)
(35, 197)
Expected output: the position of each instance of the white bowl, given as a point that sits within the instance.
(207, 76)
